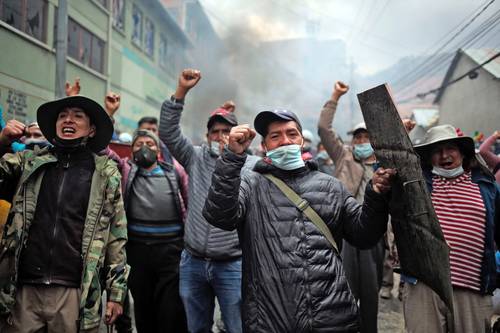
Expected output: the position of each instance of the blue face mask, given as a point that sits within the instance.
(322, 155)
(363, 151)
(287, 157)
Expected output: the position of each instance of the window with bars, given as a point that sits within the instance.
(137, 26)
(28, 16)
(85, 47)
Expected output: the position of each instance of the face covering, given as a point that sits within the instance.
(145, 157)
(31, 143)
(286, 157)
(363, 151)
(215, 147)
(448, 173)
(307, 147)
(70, 145)
(322, 155)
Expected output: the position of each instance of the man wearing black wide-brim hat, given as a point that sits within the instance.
(67, 224)
(467, 203)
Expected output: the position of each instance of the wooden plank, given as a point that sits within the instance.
(422, 249)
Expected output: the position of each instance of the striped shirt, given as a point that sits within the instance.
(462, 216)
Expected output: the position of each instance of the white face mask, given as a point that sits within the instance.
(215, 147)
(448, 173)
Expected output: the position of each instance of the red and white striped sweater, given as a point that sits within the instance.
(462, 216)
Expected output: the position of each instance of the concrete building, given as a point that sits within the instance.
(472, 103)
(134, 48)
(209, 55)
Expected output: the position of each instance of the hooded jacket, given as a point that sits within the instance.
(104, 234)
(200, 238)
(293, 280)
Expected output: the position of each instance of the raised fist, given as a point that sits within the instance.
(72, 90)
(112, 103)
(189, 78)
(408, 124)
(229, 106)
(240, 138)
(339, 89)
(13, 130)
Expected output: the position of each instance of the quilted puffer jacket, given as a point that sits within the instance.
(293, 280)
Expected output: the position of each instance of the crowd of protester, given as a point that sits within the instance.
(292, 237)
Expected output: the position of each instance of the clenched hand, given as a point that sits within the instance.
(240, 138)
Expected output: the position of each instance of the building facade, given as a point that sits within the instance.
(134, 48)
(472, 103)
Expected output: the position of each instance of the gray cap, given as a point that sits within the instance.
(142, 132)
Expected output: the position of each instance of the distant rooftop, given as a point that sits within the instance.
(476, 55)
(481, 55)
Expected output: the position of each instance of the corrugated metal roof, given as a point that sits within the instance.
(481, 55)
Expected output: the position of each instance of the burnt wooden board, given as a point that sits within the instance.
(422, 249)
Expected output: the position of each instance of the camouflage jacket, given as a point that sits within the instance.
(104, 235)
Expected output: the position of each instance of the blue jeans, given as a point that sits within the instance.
(200, 282)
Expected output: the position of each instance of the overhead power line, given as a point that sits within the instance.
(452, 82)
(444, 59)
(436, 53)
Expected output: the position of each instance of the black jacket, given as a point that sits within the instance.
(53, 252)
(292, 279)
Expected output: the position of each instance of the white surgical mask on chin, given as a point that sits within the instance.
(448, 173)
(215, 148)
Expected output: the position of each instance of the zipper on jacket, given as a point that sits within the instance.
(56, 220)
(86, 254)
(307, 284)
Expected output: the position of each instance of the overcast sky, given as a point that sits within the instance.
(377, 33)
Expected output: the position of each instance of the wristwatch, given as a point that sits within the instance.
(177, 101)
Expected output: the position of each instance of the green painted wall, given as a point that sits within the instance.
(27, 67)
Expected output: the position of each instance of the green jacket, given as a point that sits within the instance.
(104, 235)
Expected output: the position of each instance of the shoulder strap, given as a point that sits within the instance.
(303, 206)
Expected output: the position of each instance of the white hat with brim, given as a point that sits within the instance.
(359, 127)
(444, 133)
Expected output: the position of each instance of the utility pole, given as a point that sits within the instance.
(352, 102)
(61, 47)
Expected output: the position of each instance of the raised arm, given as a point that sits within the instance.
(330, 140)
(485, 150)
(170, 129)
(225, 204)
